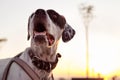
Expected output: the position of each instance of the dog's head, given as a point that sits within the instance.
(47, 26)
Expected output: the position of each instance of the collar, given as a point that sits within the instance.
(44, 65)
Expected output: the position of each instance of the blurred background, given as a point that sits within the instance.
(93, 52)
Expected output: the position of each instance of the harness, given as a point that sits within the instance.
(28, 69)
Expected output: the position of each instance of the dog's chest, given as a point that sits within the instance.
(19, 74)
(44, 75)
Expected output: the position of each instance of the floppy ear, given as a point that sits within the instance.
(28, 36)
(68, 33)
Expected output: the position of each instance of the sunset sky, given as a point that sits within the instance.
(104, 34)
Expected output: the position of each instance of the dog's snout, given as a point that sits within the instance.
(40, 12)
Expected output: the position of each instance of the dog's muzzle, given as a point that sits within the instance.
(40, 32)
(44, 37)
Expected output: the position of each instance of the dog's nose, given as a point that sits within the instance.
(40, 12)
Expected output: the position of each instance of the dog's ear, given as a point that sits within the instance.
(68, 33)
(28, 36)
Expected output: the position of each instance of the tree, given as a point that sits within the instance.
(2, 40)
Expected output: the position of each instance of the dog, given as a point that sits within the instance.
(45, 28)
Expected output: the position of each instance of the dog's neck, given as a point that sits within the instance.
(45, 53)
(41, 73)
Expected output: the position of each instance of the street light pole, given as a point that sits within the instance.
(87, 53)
(87, 15)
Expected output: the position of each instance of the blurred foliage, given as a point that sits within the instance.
(3, 40)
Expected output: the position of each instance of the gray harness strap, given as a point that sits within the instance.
(23, 65)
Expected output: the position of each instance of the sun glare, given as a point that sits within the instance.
(103, 57)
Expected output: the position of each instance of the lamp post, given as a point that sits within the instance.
(87, 15)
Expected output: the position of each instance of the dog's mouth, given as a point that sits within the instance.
(50, 39)
(42, 35)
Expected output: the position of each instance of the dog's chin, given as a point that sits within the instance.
(46, 40)
(40, 39)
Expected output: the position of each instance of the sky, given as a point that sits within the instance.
(104, 34)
